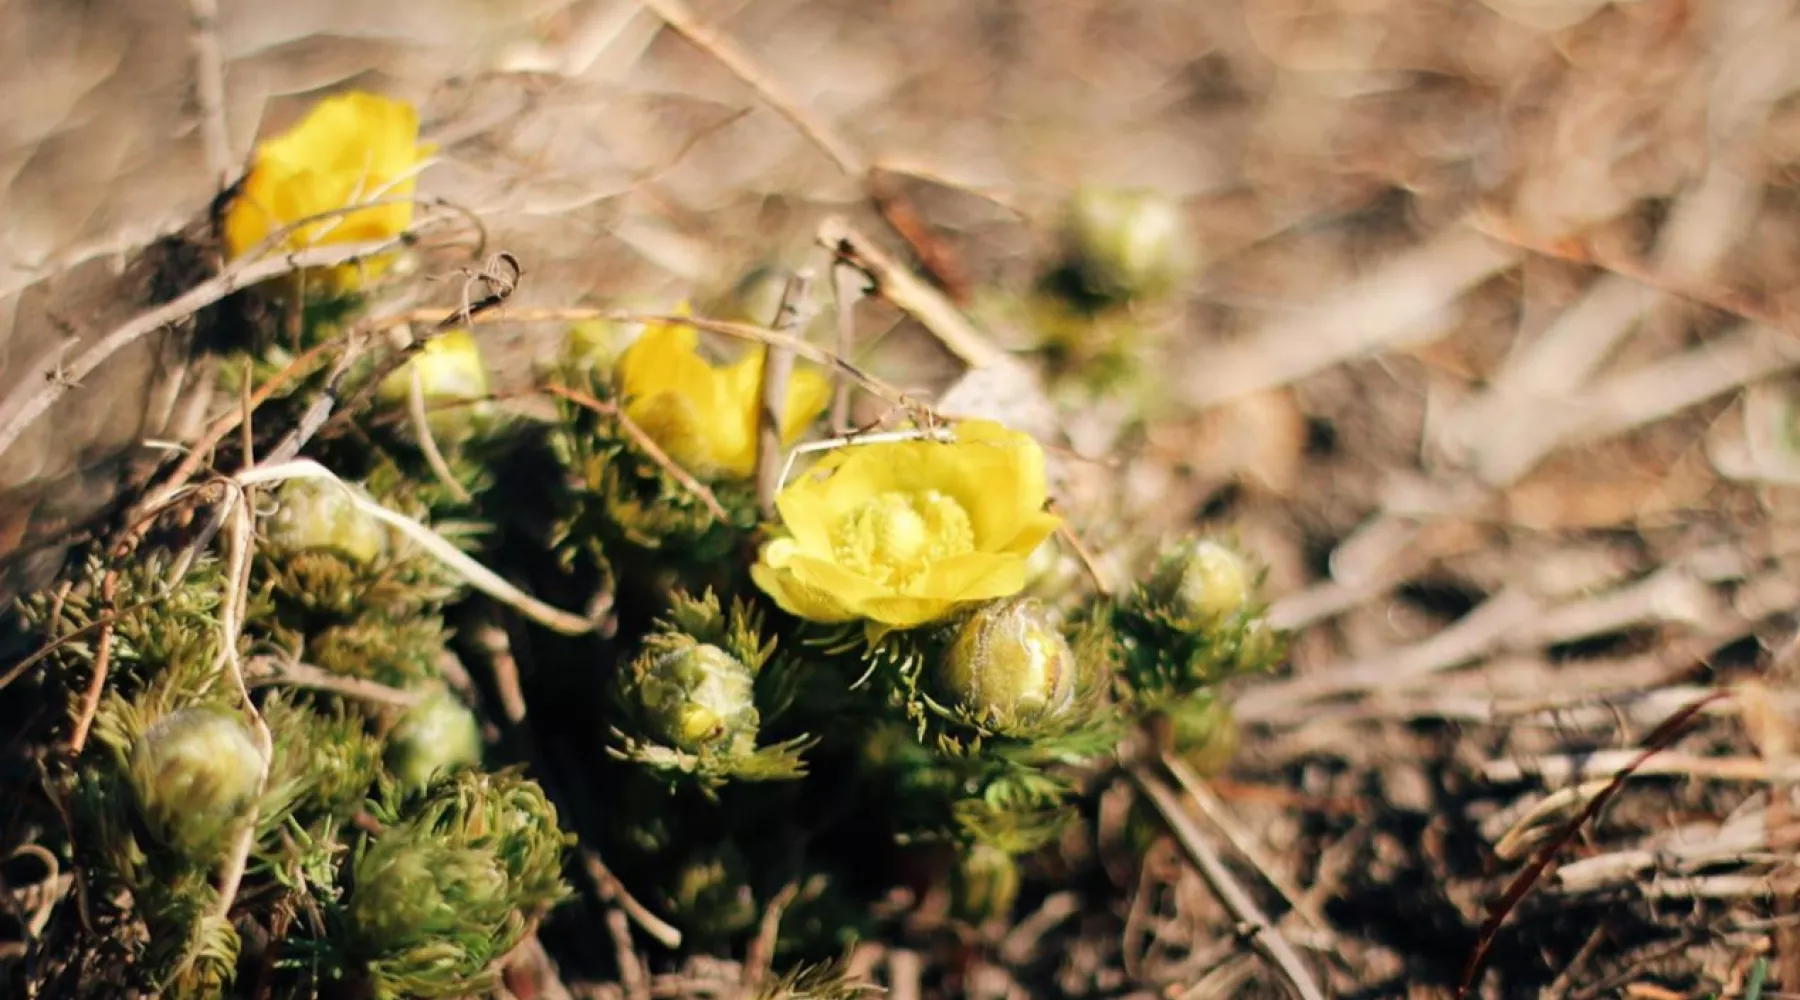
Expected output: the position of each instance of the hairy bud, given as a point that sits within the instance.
(196, 773)
(436, 735)
(1009, 668)
(698, 697)
(315, 515)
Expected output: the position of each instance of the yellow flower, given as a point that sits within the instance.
(902, 533)
(704, 416)
(350, 149)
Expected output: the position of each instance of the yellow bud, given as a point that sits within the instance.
(1128, 243)
(1009, 667)
(985, 884)
(452, 379)
(1203, 733)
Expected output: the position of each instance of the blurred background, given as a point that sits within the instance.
(1484, 345)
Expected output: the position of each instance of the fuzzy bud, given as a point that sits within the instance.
(315, 515)
(1009, 667)
(698, 697)
(196, 773)
(985, 884)
(452, 379)
(436, 735)
(1203, 733)
(1127, 244)
(1203, 582)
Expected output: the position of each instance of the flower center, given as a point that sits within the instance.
(894, 537)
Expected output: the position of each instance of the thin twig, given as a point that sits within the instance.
(631, 968)
(1658, 741)
(231, 624)
(762, 950)
(1240, 839)
(237, 276)
(415, 408)
(268, 670)
(777, 375)
(906, 968)
(141, 516)
(1022, 940)
(472, 571)
(845, 291)
(644, 441)
(1263, 934)
(18, 670)
(209, 87)
(90, 699)
(677, 15)
(908, 294)
(610, 890)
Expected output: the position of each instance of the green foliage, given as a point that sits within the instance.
(1196, 621)
(449, 884)
(716, 748)
(625, 504)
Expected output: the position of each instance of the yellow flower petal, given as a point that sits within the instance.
(806, 516)
(978, 576)
(808, 395)
(1032, 533)
(902, 533)
(350, 149)
(722, 403)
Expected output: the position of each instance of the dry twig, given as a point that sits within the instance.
(1261, 932)
(777, 373)
(240, 275)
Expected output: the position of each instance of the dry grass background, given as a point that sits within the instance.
(1488, 354)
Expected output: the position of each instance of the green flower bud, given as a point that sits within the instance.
(709, 895)
(985, 884)
(452, 379)
(1009, 668)
(196, 773)
(1203, 733)
(315, 515)
(438, 734)
(1203, 582)
(446, 887)
(409, 889)
(698, 696)
(1127, 244)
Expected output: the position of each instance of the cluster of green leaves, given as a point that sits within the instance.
(175, 790)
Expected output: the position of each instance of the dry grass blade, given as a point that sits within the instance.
(477, 575)
(908, 294)
(1262, 933)
(777, 373)
(1662, 738)
(241, 275)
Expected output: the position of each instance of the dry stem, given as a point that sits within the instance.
(58, 383)
(777, 373)
(1263, 934)
(648, 444)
